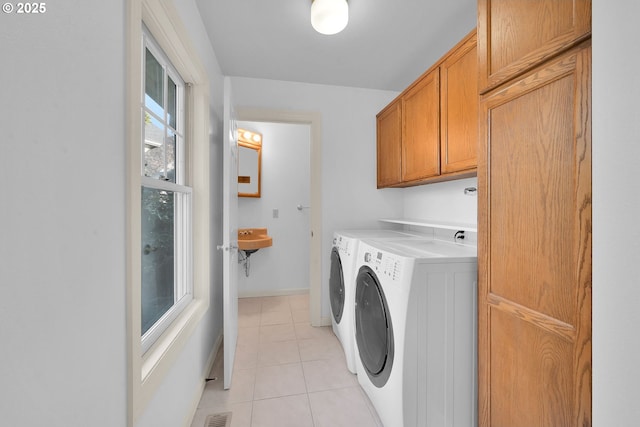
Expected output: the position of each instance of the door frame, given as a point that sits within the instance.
(314, 120)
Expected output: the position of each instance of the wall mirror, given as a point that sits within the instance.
(249, 163)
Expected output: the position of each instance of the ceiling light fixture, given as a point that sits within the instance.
(329, 16)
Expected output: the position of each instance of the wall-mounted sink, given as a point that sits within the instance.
(252, 239)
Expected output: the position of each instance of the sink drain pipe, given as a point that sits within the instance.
(245, 260)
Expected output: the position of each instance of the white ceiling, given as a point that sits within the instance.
(386, 45)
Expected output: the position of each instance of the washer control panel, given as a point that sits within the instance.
(384, 264)
(343, 244)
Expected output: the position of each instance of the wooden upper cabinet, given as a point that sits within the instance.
(421, 128)
(388, 134)
(459, 108)
(429, 133)
(516, 35)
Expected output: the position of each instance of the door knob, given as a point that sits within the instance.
(226, 248)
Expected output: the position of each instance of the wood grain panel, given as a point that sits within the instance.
(388, 133)
(540, 320)
(582, 367)
(421, 128)
(516, 35)
(534, 369)
(459, 107)
(533, 200)
(534, 254)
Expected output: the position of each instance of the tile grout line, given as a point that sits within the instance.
(253, 394)
(304, 377)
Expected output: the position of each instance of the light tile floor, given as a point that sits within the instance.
(287, 373)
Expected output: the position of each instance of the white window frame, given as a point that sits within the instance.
(183, 285)
(147, 370)
(150, 43)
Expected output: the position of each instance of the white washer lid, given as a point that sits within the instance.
(379, 234)
(425, 249)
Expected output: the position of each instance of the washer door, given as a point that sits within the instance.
(374, 331)
(336, 286)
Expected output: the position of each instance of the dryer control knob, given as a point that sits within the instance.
(367, 257)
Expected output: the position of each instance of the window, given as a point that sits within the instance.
(168, 197)
(166, 282)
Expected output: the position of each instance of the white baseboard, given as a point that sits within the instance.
(273, 293)
(325, 321)
(212, 357)
(198, 395)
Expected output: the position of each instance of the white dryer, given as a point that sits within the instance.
(415, 319)
(342, 283)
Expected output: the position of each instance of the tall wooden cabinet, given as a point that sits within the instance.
(437, 136)
(534, 208)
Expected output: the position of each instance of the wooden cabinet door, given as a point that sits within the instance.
(534, 299)
(421, 128)
(388, 133)
(459, 108)
(516, 35)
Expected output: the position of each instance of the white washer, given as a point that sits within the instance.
(342, 283)
(415, 319)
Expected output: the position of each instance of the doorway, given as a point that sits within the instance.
(313, 120)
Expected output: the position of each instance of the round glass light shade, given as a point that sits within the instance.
(329, 16)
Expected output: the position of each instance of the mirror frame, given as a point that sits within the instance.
(252, 145)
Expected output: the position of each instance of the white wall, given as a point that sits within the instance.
(443, 201)
(62, 220)
(616, 214)
(286, 178)
(349, 195)
(62, 223)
